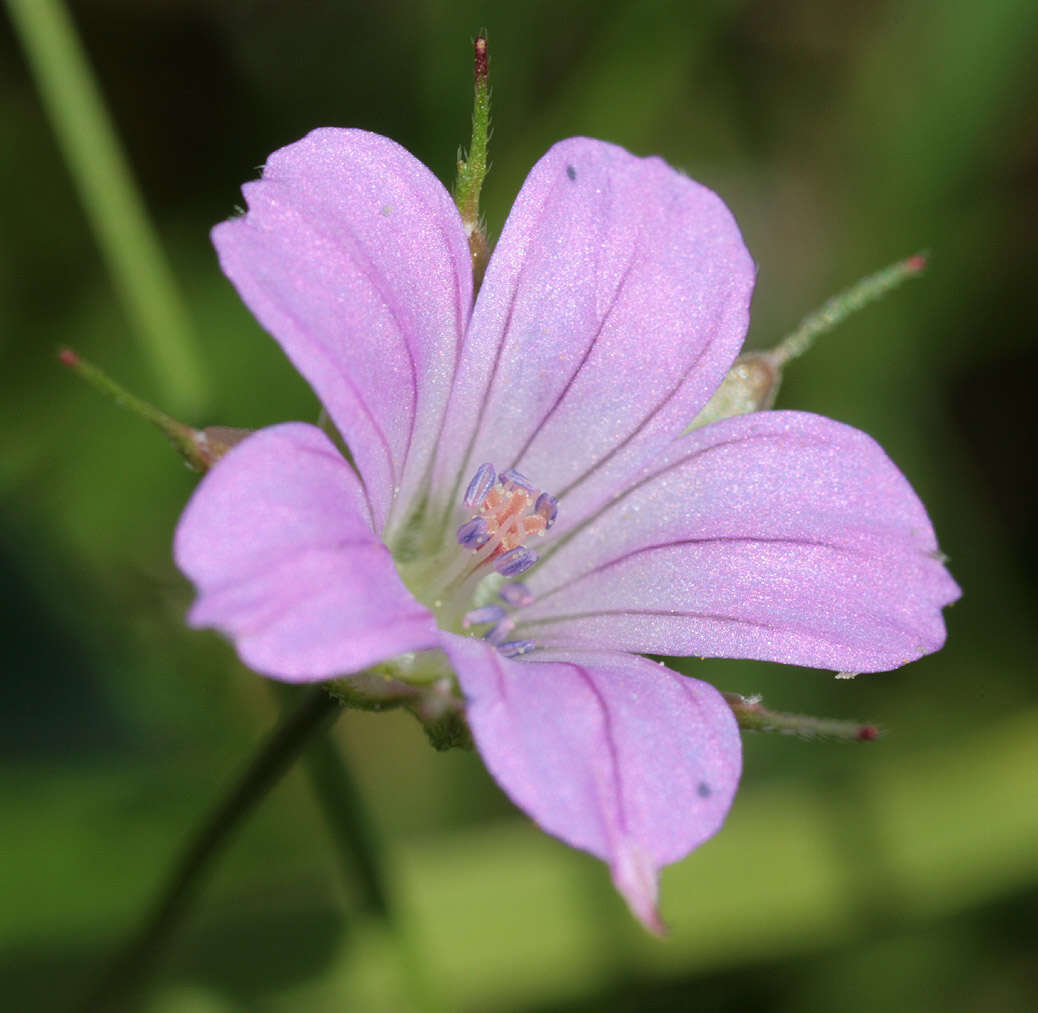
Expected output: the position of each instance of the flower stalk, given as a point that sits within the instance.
(472, 169)
(111, 200)
(200, 448)
(344, 811)
(753, 716)
(844, 304)
(129, 970)
(753, 382)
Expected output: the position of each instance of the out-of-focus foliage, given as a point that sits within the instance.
(901, 875)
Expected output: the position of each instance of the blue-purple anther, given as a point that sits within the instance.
(505, 515)
(516, 594)
(547, 506)
(498, 634)
(482, 482)
(473, 534)
(515, 561)
(482, 616)
(513, 648)
(517, 478)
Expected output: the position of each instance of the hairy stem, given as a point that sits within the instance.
(846, 303)
(752, 715)
(472, 169)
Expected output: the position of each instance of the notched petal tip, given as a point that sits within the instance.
(353, 257)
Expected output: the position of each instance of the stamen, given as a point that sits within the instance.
(481, 484)
(516, 594)
(513, 648)
(482, 616)
(473, 534)
(547, 506)
(515, 561)
(506, 511)
(516, 479)
(499, 632)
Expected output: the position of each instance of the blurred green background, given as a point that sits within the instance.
(895, 876)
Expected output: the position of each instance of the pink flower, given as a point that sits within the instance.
(544, 420)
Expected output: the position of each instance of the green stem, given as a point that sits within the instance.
(753, 716)
(359, 846)
(184, 439)
(142, 278)
(837, 309)
(347, 818)
(200, 449)
(361, 852)
(754, 379)
(128, 972)
(472, 169)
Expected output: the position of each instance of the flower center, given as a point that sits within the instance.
(505, 511)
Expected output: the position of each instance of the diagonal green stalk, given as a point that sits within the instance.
(361, 850)
(753, 716)
(143, 280)
(354, 833)
(128, 972)
(846, 303)
(754, 379)
(194, 446)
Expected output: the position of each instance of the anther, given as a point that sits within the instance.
(482, 482)
(515, 561)
(473, 534)
(482, 616)
(513, 648)
(516, 479)
(547, 506)
(516, 594)
(497, 635)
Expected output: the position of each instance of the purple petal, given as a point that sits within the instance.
(781, 536)
(278, 540)
(609, 752)
(354, 257)
(612, 307)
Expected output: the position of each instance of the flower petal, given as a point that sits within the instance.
(354, 257)
(781, 536)
(612, 307)
(609, 752)
(278, 540)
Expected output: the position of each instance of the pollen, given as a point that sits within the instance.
(506, 512)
